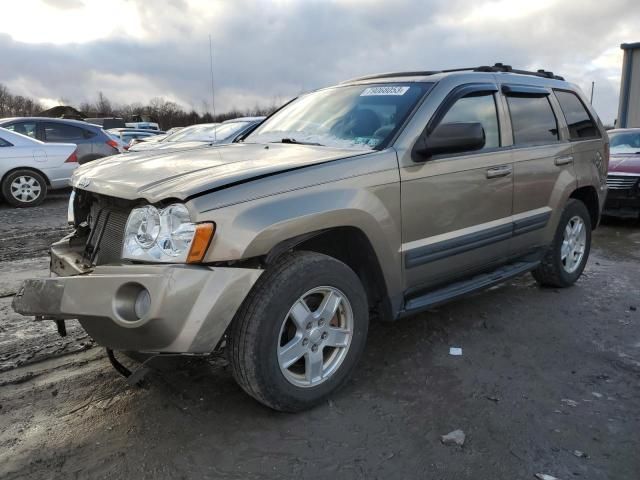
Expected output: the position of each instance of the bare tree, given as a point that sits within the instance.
(167, 113)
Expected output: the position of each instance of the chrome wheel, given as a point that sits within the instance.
(315, 336)
(25, 188)
(573, 244)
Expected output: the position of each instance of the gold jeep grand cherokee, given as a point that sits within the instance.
(384, 195)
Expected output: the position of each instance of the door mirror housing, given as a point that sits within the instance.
(453, 137)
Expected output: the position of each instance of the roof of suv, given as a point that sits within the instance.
(435, 75)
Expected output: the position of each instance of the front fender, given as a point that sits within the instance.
(369, 202)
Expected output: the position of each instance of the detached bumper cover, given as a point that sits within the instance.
(190, 308)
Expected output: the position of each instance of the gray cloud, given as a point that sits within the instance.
(266, 52)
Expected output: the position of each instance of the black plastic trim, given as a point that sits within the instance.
(533, 222)
(526, 90)
(464, 287)
(447, 248)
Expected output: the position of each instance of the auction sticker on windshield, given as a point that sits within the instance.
(388, 90)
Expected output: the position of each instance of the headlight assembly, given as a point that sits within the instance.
(165, 236)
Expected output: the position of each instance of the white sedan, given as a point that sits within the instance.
(29, 167)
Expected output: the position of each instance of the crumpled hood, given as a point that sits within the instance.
(157, 175)
(625, 163)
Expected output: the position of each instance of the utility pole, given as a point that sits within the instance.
(213, 96)
(592, 85)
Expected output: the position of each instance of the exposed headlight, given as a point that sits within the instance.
(167, 235)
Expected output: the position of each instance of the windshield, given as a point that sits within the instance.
(363, 117)
(625, 142)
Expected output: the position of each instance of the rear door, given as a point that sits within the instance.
(456, 208)
(542, 163)
(586, 140)
(57, 132)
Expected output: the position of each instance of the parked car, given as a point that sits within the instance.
(92, 141)
(201, 135)
(382, 196)
(29, 167)
(623, 180)
(126, 135)
(151, 139)
(143, 125)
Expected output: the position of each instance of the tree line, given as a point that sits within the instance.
(167, 113)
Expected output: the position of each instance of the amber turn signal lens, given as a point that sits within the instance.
(201, 240)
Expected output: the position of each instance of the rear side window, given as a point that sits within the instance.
(4, 143)
(24, 128)
(59, 132)
(477, 108)
(532, 120)
(580, 123)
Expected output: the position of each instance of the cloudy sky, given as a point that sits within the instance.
(266, 51)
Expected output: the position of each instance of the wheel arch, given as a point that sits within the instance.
(351, 246)
(589, 196)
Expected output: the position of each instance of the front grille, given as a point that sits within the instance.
(104, 244)
(621, 182)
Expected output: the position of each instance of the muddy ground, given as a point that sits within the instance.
(543, 373)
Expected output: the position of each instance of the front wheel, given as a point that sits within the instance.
(567, 256)
(300, 332)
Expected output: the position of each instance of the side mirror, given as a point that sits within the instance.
(452, 138)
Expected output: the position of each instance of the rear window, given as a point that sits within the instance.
(59, 132)
(580, 123)
(532, 120)
(4, 143)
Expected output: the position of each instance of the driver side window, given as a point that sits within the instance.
(477, 108)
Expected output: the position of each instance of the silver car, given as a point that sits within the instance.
(29, 168)
(201, 135)
(376, 198)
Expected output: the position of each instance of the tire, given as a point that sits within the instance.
(554, 271)
(24, 188)
(268, 326)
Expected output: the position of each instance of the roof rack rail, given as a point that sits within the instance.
(498, 67)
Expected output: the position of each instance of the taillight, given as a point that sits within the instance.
(112, 143)
(73, 158)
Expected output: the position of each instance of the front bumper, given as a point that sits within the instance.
(190, 308)
(623, 202)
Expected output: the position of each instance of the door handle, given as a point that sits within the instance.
(501, 171)
(563, 160)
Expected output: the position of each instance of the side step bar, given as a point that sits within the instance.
(463, 287)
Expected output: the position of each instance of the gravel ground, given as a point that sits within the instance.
(544, 373)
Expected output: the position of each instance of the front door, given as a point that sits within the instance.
(456, 208)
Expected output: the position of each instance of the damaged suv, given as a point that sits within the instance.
(379, 197)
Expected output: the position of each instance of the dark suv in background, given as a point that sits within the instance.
(92, 141)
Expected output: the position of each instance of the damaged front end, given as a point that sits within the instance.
(131, 306)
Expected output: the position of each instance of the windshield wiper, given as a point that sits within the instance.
(293, 140)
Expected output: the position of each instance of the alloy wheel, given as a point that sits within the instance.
(315, 336)
(25, 188)
(573, 244)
